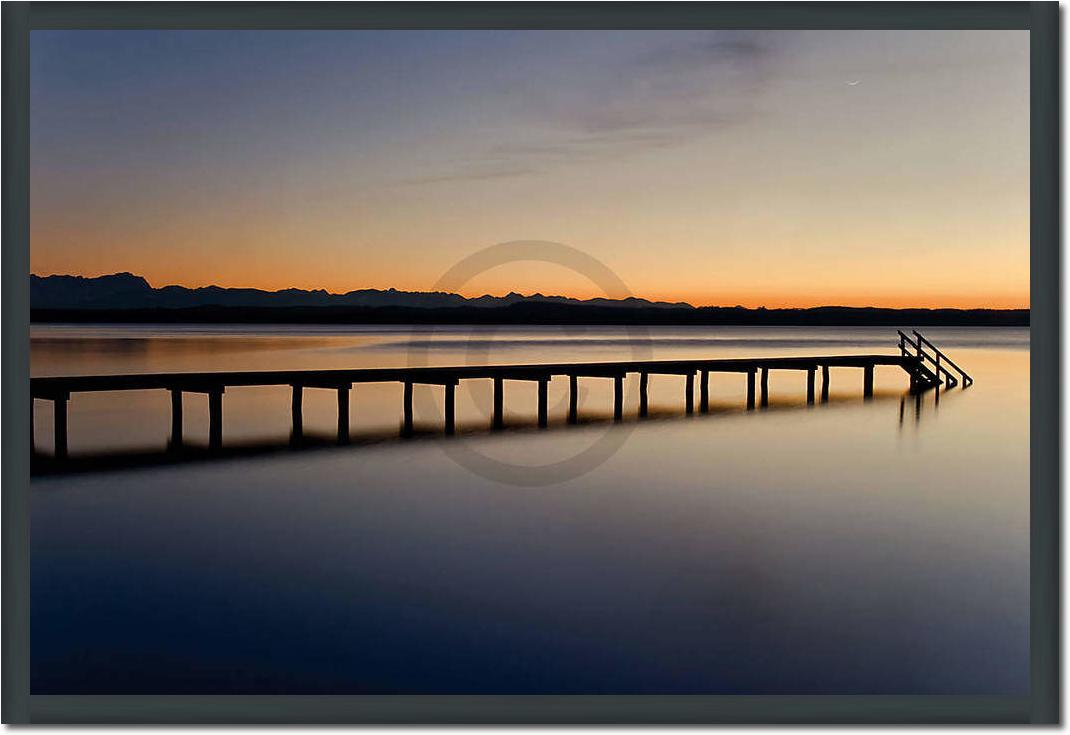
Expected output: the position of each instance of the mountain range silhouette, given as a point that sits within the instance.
(126, 297)
(129, 291)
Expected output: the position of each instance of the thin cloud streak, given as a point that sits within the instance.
(653, 100)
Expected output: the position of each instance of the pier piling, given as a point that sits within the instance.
(499, 390)
(59, 413)
(176, 418)
(448, 407)
(810, 373)
(765, 387)
(407, 400)
(573, 399)
(750, 390)
(543, 383)
(343, 414)
(618, 397)
(689, 394)
(867, 381)
(704, 391)
(824, 383)
(644, 379)
(215, 418)
(297, 423)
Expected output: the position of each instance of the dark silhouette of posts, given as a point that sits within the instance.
(343, 414)
(215, 418)
(689, 394)
(618, 397)
(704, 391)
(59, 414)
(407, 417)
(915, 384)
(644, 379)
(573, 399)
(176, 418)
(543, 383)
(499, 390)
(448, 406)
(58, 389)
(297, 423)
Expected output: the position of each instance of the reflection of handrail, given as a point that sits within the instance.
(921, 338)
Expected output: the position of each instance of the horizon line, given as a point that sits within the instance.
(540, 294)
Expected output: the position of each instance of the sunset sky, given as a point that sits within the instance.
(776, 168)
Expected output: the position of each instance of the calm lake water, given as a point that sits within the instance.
(875, 547)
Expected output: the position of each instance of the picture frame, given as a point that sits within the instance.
(1040, 707)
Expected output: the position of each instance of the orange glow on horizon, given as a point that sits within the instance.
(795, 300)
(758, 181)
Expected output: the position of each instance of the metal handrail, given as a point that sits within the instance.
(921, 338)
(922, 355)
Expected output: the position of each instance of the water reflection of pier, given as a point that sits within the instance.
(913, 405)
(368, 439)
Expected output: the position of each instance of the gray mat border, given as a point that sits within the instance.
(1042, 706)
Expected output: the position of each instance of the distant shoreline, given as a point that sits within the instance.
(535, 314)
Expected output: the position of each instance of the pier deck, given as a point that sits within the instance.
(912, 361)
(205, 382)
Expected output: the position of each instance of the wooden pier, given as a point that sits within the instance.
(915, 357)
